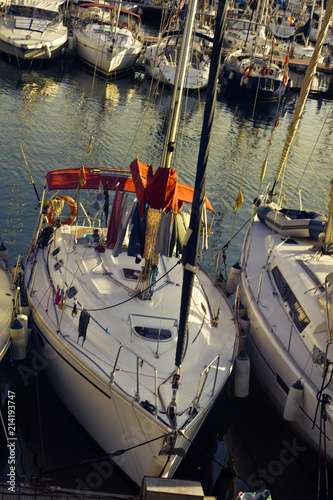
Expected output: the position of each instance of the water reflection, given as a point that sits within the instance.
(50, 121)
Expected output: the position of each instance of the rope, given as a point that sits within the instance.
(308, 160)
(323, 400)
(137, 294)
(213, 459)
(116, 453)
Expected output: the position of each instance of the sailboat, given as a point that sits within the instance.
(163, 57)
(108, 38)
(137, 340)
(286, 287)
(255, 75)
(13, 320)
(6, 303)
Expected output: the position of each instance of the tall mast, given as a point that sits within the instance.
(190, 249)
(176, 103)
(304, 92)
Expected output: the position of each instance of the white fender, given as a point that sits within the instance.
(18, 337)
(233, 278)
(293, 402)
(242, 375)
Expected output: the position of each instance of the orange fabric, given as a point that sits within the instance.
(158, 190)
(69, 179)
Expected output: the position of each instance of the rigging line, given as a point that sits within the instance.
(308, 159)
(137, 294)
(160, 137)
(144, 117)
(243, 169)
(276, 124)
(213, 459)
(140, 127)
(150, 115)
(313, 170)
(91, 93)
(116, 453)
(181, 141)
(239, 230)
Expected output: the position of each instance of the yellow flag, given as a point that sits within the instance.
(239, 199)
(263, 170)
(82, 175)
(90, 143)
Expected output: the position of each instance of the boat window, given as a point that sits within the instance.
(45, 14)
(296, 311)
(130, 274)
(31, 12)
(151, 333)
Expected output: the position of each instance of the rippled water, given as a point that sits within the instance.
(51, 114)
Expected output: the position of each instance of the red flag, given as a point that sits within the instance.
(82, 175)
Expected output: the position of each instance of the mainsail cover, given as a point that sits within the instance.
(161, 190)
(158, 190)
(69, 179)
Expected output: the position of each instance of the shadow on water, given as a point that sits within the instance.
(246, 446)
(259, 114)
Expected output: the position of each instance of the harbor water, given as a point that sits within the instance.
(44, 113)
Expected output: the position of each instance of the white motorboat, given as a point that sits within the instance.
(287, 286)
(33, 30)
(138, 342)
(106, 41)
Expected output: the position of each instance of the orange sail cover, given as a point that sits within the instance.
(157, 190)
(160, 190)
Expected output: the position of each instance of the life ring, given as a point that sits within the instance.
(285, 78)
(72, 205)
(247, 71)
(272, 19)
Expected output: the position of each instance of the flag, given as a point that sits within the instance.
(82, 176)
(239, 199)
(263, 170)
(90, 143)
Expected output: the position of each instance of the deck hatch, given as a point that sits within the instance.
(152, 333)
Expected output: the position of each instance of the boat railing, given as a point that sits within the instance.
(203, 380)
(140, 361)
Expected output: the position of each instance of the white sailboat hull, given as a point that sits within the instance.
(164, 71)
(114, 421)
(99, 51)
(6, 308)
(280, 352)
(128, 409)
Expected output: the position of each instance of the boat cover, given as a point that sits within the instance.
(69, 179)
(52, 5)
